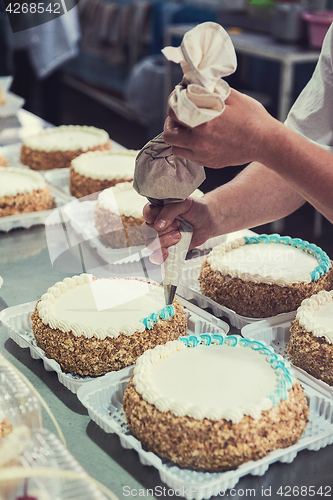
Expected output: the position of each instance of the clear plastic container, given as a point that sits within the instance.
(45, 470)
(18, 403)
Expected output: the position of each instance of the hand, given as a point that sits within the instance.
(162, 219)
(236, 137)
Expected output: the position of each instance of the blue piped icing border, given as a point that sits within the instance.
(324, 262)
(285, 374)
(164, 313)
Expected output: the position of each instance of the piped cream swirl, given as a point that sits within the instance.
(315, 314)
(67, 138)
(106, 165)
(271, 262)
(14, 180)
(101, 308)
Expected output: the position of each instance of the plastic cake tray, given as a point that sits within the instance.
(189, 288)
(18, 323)
(277, 335)
(103, 400)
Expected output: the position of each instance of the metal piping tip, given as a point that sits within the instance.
(169, 294)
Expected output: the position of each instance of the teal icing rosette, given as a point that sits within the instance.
(324, 262)
(164, 314)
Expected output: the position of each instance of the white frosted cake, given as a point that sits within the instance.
(21, 191)
(118, 216)
(97, 170)
(213, 402)
(3, 160)
(91, 327)
(311, 337)
(57, 147)
(262, 276)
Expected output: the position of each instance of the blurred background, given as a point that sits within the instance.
(118, 79)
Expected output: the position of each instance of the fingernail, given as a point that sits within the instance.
(160, 224)
(176, 235)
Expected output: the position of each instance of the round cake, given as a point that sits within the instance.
(97, 170)
(94, 326)
(57, 147)
(22, 191)
(311, 337)
(265, 275)
(118, 216)
(3, 160)
(213, 402)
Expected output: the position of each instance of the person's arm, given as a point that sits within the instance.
(255, 196)
(244, 133)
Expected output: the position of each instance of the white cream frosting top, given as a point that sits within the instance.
(100, 308)
(67, 138)
(122, 199)
(316, 315)
(263, 262)
(214, 382)
(15, 181)
(106, 165)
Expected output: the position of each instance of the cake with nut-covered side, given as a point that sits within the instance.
(214, 402)
(94, 326)
(310, 346)
(262, 276)
(118, 216)
(97, 170)
(23, 191)
(57, 147)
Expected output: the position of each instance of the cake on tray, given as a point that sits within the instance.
(118, 216)
(213, 402)
(22, 191)
(97, 170)
(94, 326)
(262, 276)
(56, 147)
(310, 345)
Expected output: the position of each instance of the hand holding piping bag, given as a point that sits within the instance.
(206, 55)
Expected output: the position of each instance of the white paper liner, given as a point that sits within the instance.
(189, 288)
(275, 332)
(32, 218)
(104, 404)
(17, 320)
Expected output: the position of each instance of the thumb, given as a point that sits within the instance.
(169, 212)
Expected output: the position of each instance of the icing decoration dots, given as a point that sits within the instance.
(324, 262)
(164, 313)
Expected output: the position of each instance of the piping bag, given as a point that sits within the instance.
(206, 55)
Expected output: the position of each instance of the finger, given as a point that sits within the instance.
(182, 152)
(150, 233)
(163, 241)
(169, 213)
(150, 212)
(159, 256)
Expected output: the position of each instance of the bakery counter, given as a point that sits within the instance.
(27, 273)
(28, 269)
